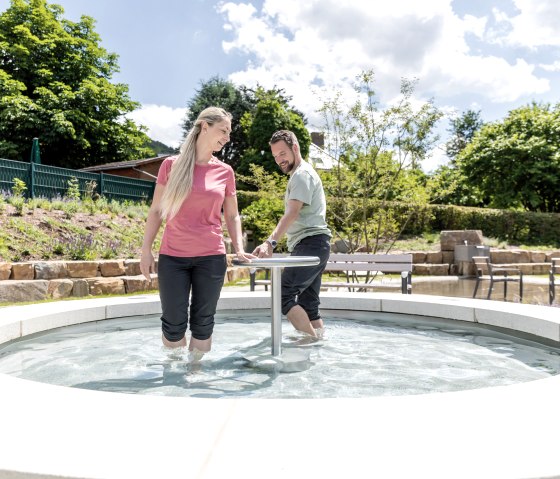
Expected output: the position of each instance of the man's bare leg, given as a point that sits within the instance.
(319, 328)
(299, 319)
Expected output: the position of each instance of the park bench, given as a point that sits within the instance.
(485, 270)
(359, 270)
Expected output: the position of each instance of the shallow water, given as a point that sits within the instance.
(364, 354)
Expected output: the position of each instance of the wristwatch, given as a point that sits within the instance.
(272, 243)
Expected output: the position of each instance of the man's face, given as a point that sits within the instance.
(283, 156)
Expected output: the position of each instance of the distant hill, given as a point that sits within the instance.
(162, 149)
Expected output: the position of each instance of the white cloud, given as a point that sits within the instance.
(163, 122)
(535, 25)
(322, 44)
(551, 67)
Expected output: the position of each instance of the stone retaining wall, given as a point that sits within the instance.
(35, 281)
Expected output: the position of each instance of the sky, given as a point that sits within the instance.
(487, 55)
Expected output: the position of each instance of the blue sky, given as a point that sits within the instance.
(489, 55)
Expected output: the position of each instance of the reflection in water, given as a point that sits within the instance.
(364, 354)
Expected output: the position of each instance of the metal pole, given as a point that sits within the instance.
(276, 325)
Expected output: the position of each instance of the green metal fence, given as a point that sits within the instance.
(51, 181)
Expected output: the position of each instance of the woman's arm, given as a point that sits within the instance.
(153, 224)
(233, 224)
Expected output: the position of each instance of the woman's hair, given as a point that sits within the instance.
(180, 179)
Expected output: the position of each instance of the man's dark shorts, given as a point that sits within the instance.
(302, 285)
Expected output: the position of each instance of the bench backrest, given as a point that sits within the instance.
(387, 263)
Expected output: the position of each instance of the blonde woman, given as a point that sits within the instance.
(191, 191)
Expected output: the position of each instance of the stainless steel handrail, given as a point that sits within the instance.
(276, 265)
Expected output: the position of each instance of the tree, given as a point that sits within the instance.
(236, 100)
(55, 85)
(462, 130)
(516, 162)
(272, 113)
(378, 153)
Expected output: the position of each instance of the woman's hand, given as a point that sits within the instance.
(243, 257)
(147, 264)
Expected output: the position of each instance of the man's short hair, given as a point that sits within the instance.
(284, 135)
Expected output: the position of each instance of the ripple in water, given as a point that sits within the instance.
(363, 355)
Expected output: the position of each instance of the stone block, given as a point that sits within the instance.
(434, 257)
(5, 271)
(134, 284)
(524, 256)
(552, 254)
(80, 288)
(418, 256)
(503, 256)
(12, 291)
(430, 269)
(132, 267)
(50, 270)
(447, 257)
(112, 268)
(448, 239)
(537, 256)
(99, 286)
(60, 288)
(82, 269)
(21, 271)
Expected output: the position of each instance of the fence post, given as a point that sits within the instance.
(32, 179)
(101, 184)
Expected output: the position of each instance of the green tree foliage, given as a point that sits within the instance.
(516, 162)
(462, 130)
(272, 113)
(262, 215)
(55, 85)
(448, 185)
(236, 100)
(378, 153)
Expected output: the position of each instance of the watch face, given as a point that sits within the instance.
(273, 243)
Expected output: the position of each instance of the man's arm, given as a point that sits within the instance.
(290, 215)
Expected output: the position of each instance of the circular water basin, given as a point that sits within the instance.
(363, 354)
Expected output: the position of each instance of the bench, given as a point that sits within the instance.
(359, 270)
(496, 274)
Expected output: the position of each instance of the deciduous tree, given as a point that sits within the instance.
(55, 85)
(516, 162)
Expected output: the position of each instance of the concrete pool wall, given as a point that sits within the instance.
(499, 432)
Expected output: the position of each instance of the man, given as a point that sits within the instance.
(308, 235)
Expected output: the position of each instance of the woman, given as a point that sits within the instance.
(191, 190)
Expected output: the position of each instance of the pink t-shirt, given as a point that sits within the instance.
(196, 230)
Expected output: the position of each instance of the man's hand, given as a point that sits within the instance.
(264, 250)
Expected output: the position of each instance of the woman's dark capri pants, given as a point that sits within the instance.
(204, 276)
(301, 285)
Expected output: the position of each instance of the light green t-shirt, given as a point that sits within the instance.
(305, 185)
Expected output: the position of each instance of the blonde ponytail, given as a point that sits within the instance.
(179, 183)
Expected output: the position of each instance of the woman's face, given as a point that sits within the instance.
(218, 134)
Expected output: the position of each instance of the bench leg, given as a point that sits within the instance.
(505, 287)
(490, 288)
(520, 287)
(252, 275)
(476, 287)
